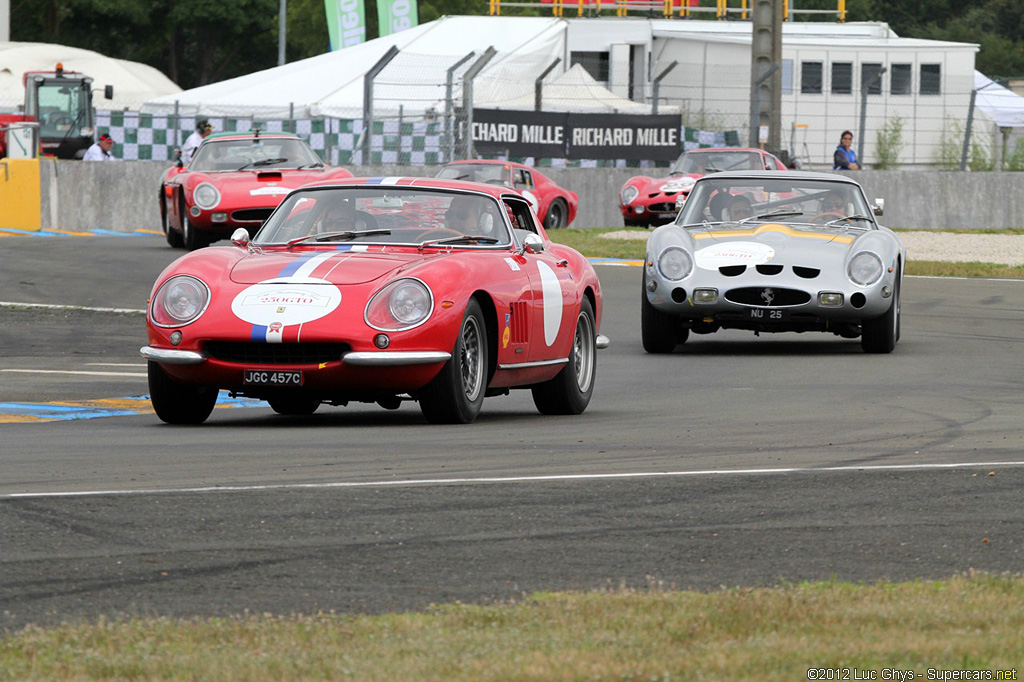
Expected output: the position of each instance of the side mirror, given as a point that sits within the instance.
(879, 206)
(108, 91)
(240, 238)
(533, 243)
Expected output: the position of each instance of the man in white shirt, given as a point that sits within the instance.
(100, 150)
(203, 129)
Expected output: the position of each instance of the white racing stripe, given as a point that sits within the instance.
(517, 479)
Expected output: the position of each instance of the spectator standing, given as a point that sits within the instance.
(203, 130)
(100, 150)
(845, 158)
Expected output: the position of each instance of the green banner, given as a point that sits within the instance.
(396, 15)
(346, 22)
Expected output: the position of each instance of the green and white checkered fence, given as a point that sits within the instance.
(151, 137)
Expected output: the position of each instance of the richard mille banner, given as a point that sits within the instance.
(346, 22)
(577, 136)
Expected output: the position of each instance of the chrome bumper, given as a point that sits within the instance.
(172, 357)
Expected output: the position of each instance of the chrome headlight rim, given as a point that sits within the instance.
(160, 302)
(385, 298)
(206, 196)
(663, 266)
(875, 270)
(628, 194)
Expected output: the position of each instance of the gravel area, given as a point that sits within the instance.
(1005, 249)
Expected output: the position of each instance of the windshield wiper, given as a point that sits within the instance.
(855, 216)
(263, 162)
(311, 165)
(773, 214)
(472, 238)
(329, 236)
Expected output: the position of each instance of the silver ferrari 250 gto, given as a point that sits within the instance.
(774, 252)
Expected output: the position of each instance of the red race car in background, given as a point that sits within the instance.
(235, 180)
(379, 290)
(646, 201)
(554, 205)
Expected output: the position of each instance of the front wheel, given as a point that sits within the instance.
(569, 392)
(881, 334)
(557, 215)
(660, 332)
(178, 403)
(294, 406)
(456, 394)
(191, 237)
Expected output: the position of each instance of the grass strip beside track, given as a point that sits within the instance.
(970, 622)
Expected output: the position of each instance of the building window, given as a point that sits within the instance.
(870, 79)
(595, 63)
(842, 78)
(931, 79)
(810, 78)
(900, 81)
(787, 76)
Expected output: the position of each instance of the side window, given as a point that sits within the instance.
(931, 79)
(520, 215)
(524, 179)
(842, 78)
(810, 78)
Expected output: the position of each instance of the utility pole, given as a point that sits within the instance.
(765, 72)
(282, 20)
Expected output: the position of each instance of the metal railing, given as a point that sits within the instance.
(669, 9)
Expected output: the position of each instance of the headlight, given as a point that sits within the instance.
(674, 264)
(206, 196)
(865, 268)
(627, 194)
(400, 305)
(179, 301)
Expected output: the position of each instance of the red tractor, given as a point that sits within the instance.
(61, 103)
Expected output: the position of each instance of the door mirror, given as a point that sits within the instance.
(240, 237)
(878, 206)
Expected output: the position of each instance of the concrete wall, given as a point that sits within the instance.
(122, 197)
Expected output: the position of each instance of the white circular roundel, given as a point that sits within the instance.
(733, 253)
(551, 290)
(286, 303)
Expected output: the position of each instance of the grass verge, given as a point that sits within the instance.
(970, 622)
(591, 244)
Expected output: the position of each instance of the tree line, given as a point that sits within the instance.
(195, 43)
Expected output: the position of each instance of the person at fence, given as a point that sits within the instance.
(845, 158)
(100, 150)
(470, 215)
(203, 130)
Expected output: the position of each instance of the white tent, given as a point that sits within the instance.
(331, 84)
(575, 91)
(1003, 106)
(133, 82)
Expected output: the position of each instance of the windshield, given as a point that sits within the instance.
(257, 153)
(63, 109)
(745, 200)
(496, 174)
(712, 162)
(387, 215)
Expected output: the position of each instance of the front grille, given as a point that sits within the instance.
(247, 353)
(662, 207)
(251, 215)
(768, 297)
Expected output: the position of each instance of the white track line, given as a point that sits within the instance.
(59, 371)
(12, 304)
(513, 479)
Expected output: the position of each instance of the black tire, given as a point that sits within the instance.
(881, 334)
(659, 332)
(293, 406)
(557, 215)
(178, 403)
(456, 394)
(191, 238)
(571, 389)
(172, 236)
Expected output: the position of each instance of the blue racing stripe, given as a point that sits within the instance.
(259, 333)
(293, 267)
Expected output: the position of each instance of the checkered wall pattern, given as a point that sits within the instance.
(149, 137)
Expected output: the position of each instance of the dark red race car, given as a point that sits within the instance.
(379, 290)
(554, 205)
(235, 180)
(646, 201)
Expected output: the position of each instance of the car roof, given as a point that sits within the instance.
(486, 162)
(789, 175)
(411, 182)
(249, 134)
(726, 149)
